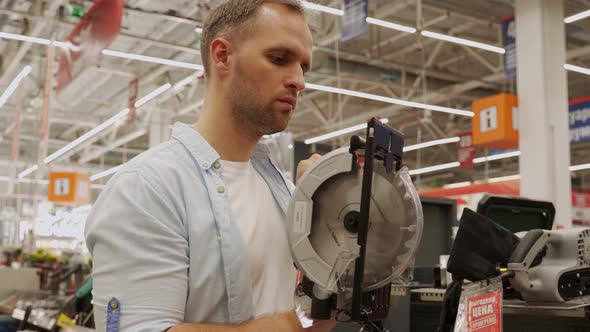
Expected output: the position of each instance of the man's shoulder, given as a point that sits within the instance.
(166, 162)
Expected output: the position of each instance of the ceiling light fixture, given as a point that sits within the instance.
(339, 132)
(143, 100)
(105, 173)
(28, 171)
(86, 136)
(152, 59)
(497, 157)
(579, 167)
(114, 119)
(431, 143)
(14, 84)
(324, 9)
(457, 185)
(504, 178)
(578, 69)
(387, 99)
(42, 41)
(577, 17)
(390, 25)
(434, 168)
(463, 41)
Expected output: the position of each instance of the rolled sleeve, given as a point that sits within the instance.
(140, 253)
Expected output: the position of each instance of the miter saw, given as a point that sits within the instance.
(552, 265)
(354, 224)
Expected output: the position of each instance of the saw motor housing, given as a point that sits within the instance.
(552, 266)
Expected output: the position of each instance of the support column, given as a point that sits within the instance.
(542, 98)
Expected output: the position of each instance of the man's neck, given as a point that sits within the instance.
(220, 130)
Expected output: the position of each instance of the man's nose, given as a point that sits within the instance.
(296, 81)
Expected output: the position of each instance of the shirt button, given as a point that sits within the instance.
(204, 165)
(220, 189)
(217, 165)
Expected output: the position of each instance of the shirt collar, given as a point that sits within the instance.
(205, 154)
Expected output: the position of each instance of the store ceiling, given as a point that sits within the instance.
(383, 62)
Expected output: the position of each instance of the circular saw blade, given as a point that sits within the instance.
(392, 230)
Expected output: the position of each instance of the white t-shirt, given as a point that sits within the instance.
(262, 224)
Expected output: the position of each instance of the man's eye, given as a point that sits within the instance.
(278, 60)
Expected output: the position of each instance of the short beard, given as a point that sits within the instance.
(251, 114)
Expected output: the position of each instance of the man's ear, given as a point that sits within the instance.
(220, 55)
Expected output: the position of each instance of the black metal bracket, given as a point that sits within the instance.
(385, 145)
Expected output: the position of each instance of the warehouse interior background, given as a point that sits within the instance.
(85, 130)
(88, 115)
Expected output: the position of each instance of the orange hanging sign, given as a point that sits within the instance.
(495, 123)
(69, 188)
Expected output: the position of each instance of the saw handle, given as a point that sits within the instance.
(525, 245)
(530, 250)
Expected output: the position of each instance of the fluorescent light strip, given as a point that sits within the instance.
(187, 80)
(370, 20)
(146, 58)
(28, 171)
(579, 167)
(577, 17)
(387, 99)
(496, 157)
(434, 168)
(504, 178)
(117, 117)
(324, 9)
(498, 179)
(339, 132)
(14, 84)
(463, 42)
(29, 39)
(390, 25)
(86, 136)
(41, 41)
(581, 70)
(142, 101)
(431, 143)
(44, 41)
(105, 173)
(457, 185)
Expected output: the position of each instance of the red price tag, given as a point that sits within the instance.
(484, 312)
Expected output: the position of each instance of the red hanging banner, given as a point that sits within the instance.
(84, 45)
(466, 150)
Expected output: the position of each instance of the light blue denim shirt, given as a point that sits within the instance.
(163, 243)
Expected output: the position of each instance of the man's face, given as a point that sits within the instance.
(267, 73)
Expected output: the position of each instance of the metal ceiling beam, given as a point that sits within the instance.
(578, 52)
(39, 27)
(125, 37)
(97, 152)
(480, 58)
(427, 41)
(432, 97)
(393, 65)
(57, 143)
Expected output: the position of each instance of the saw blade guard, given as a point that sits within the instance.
(323, 216)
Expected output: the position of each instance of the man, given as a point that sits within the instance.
(190, 236)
